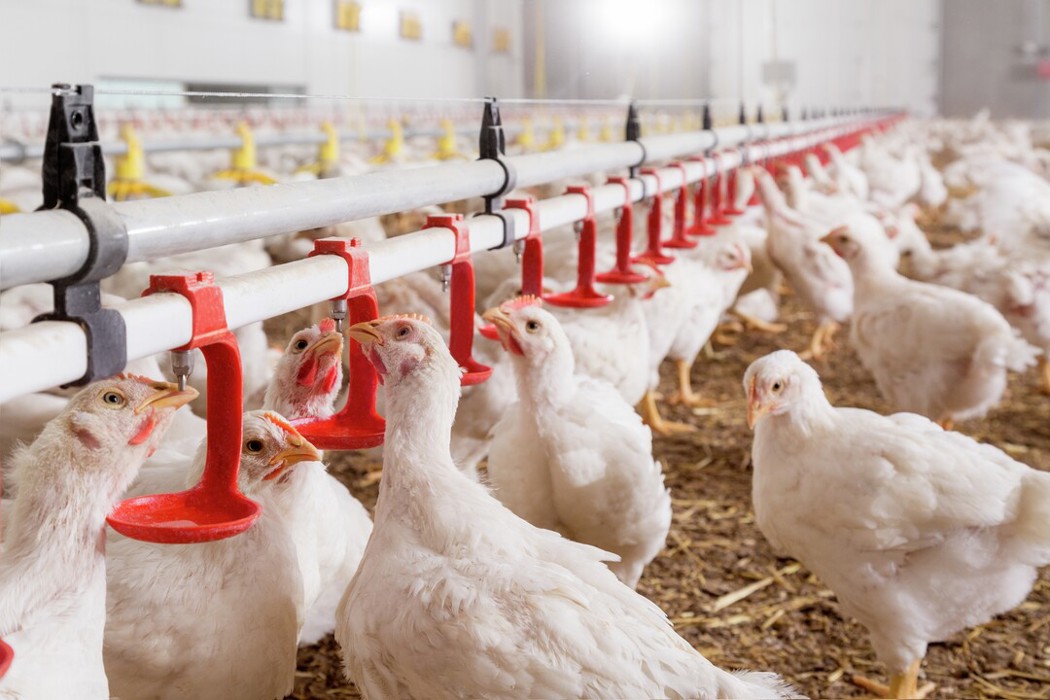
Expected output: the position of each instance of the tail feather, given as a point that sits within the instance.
(1007, 349)
(1031, 532)
(1020, 355)
(757, 685)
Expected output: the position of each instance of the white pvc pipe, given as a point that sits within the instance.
(172, 225)
(52, 353)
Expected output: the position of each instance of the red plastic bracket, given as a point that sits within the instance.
(718, 195)
(700, 227)
(681, 203)
(532, 255)
(461, 300)
(654, 226)
(357, 425)
(622, 272)
(215, 508)
(584, 296)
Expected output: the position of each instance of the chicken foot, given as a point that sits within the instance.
(822, 342)
(758, 324)
(903, 686)
(685, 394)
(651, 417)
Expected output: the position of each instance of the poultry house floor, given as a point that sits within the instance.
(717, 579)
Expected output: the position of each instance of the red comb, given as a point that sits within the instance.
(414, 317)
(279, 420)
(326, 325)
(521, 302)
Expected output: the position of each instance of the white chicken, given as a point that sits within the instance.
(822, 181)
(216, 620)
(921, 532)
(572, 455)
(53, 571)
(848, 177)
(328, 525)
(611, 342)
(726, 263)
(821, 280)
(458, 597)
(932, 350)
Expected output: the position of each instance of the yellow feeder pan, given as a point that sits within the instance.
(606, 134)
(583, 131)
(243, 164)
(8, 207)
(130, 168)
(527, 138)
(556, 137)
(394, 146)
(446, 145)
(327, 154)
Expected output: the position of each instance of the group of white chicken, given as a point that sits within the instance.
(518, 581)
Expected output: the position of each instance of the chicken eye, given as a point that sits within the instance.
(777, 386)
(301, 344)
(254, 446)
(532, 326)
(113, 399)
(403, 332)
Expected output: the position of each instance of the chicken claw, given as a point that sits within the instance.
(651, 417)
(685, 394)
(902, 686)
(760, 325)
(822, 342)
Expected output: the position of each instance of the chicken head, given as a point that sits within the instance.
(528, 331)
(404, 348)
(270, 447)
(126, 411)
(777, 383)
(309, 374)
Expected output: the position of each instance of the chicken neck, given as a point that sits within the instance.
(421, 489)
(56, 542)
(544, 385)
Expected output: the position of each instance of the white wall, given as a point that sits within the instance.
(47, 41)
(846, 53)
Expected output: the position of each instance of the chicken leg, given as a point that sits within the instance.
(758, 324)
(651, 417)
(822, 342)
(685, 394)
(903, 686)
(1044, 372)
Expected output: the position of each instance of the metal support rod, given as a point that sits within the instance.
(52, 353)
(180, 224)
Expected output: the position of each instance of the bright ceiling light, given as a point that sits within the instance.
(632, 23)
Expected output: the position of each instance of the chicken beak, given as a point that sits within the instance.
(299, 450)
(330, 343)
(746, 260)
(756, 408)
(828, 238)
(167, 395)
(504, 326)
(660, 282)
(366, 333)
(499, 318)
